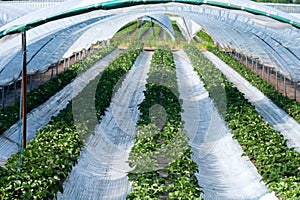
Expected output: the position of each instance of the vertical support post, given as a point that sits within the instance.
(295, 90)
(246, 61)
(3, 97)
(256, 66)
(24, 90)
(284, 86)
(68, 64)
(263, 71)
(64, 64)
(276, 80)
(268, 74)
(51, 72)
(57, 69)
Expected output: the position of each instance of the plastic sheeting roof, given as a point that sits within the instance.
(189, 27)
(99, 31)
(9, 13)
(65, 36)
(78, 7)
(275, 44)
(51, 48)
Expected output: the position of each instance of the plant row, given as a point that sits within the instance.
(131, 34)
(39, 172)
(267, 149)
(153, 38)
(178, 35)
(161, 156)
(10, 114)
(179, 39)
(142, 31)
(292, 107)
(126, 31)
(204, 40)
(128, 27)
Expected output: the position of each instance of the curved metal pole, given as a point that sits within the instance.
(114, 4)
(24, 90)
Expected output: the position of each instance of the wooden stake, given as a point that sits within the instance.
(276, 80)
(268, 70)
(295, 90)
(284, 86)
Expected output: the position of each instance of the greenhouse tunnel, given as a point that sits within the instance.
(76, 40)
(52, 37)
(260, 37)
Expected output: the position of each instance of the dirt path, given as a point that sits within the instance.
(271, 113)
(101, 172)
(223, 172)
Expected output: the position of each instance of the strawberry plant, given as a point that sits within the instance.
(291, 107)
(205, 40)
(267, 149)
(153, 38)
(10, 114)
(161, 156)
(49, 158)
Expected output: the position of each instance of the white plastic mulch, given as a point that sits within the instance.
(271, 113)
(224, 173)
(101, 172)
(40, 116)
